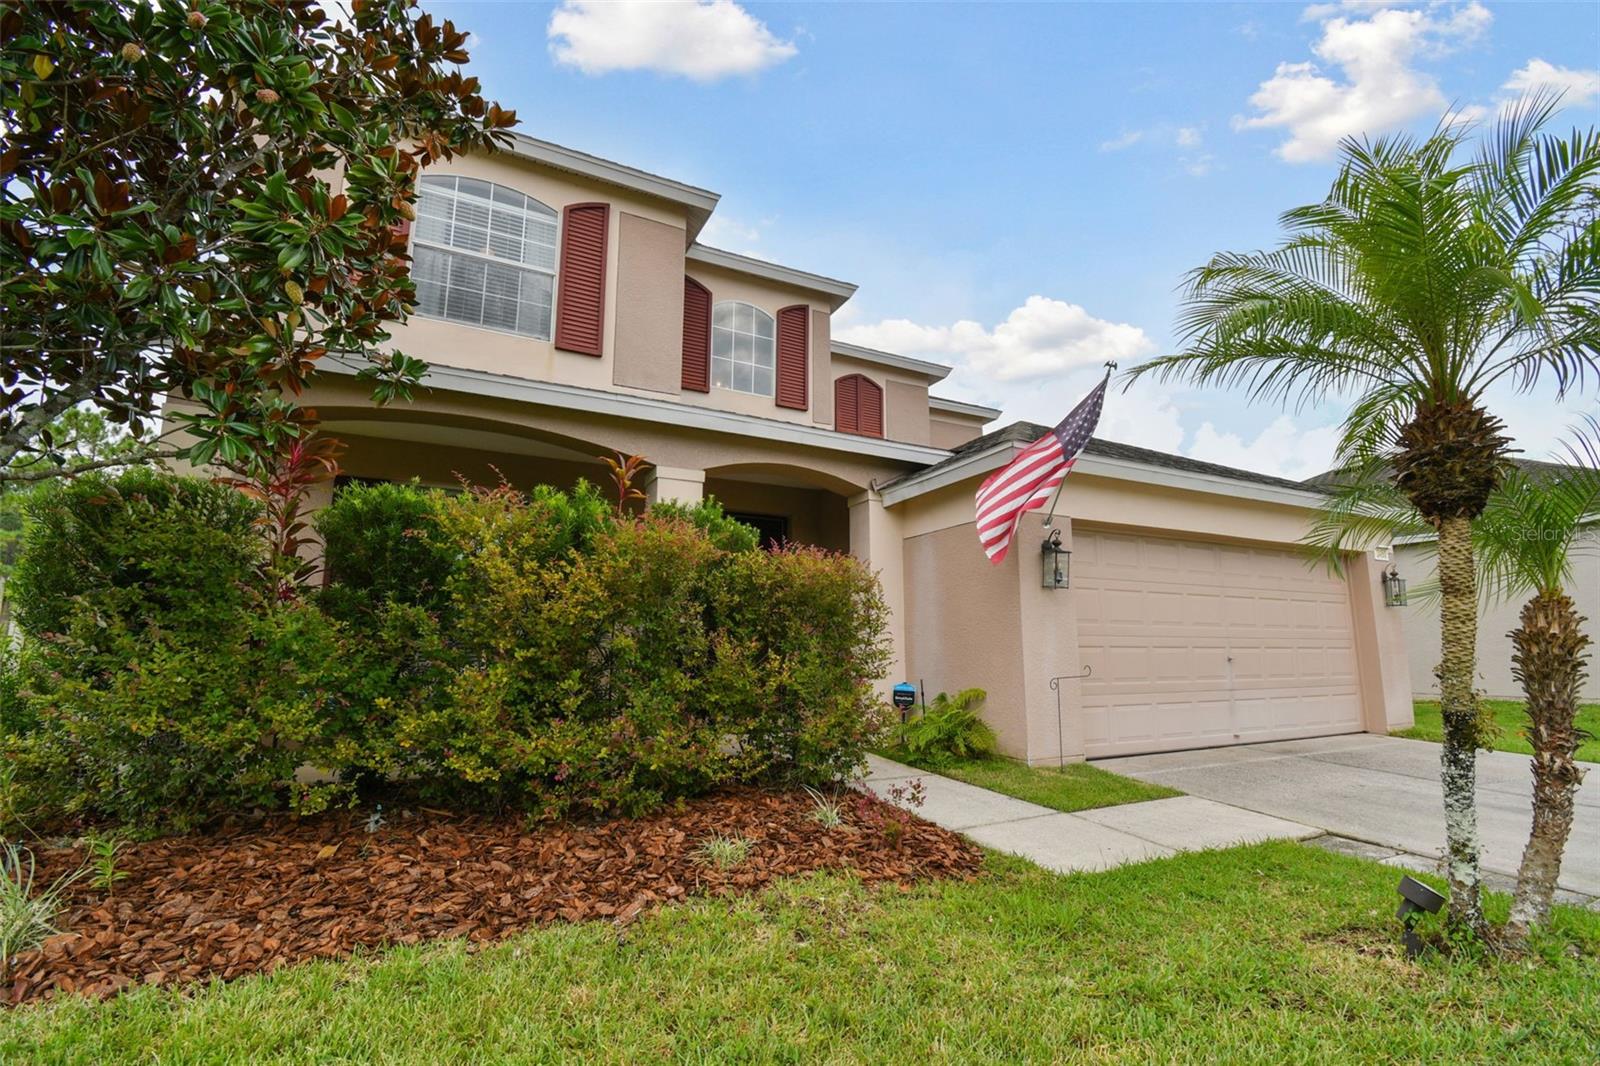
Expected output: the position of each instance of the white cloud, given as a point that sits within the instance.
(1378, 88)
(1186, 139)
(698, 39)
(1040, 339)
(1126, 140)
(1578, 88)
(1282, 448)
(729, 233)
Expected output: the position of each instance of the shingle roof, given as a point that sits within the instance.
(1326, 480)
(1028, 432)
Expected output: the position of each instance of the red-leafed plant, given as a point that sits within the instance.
(625, 471)
(281, 482)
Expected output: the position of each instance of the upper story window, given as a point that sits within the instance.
(483, 254)
(743, 348)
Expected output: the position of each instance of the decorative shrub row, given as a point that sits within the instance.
(485, 648)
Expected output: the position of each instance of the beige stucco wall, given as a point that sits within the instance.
(962, 628)
(905, 397)
(821, 366)
(645, 265)
(649, 343)
(950, 431)
(341, 399)
(478, 348)
(449, 467)
(1496, 618)
(770, 297)
(1016, 635)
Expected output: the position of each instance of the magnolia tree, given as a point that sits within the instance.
(205, 201)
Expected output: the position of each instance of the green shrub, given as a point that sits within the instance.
(382, 542)
(142, 546)
(488, 647)
(726, 532)
(161, 684)
(948, 728)
(612, 664)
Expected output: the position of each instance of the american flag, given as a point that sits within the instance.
(1028, 480)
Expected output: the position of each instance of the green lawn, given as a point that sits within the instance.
(1508, 714)
(1272, 953)
(1074, 787)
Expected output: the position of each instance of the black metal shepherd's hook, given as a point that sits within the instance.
(1055, 686)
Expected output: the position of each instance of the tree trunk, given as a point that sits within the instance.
(1458, 757)
(1548, 654)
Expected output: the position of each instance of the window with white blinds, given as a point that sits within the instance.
(483, 254)
(743, 348)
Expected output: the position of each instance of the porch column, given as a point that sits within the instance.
(878, 541)
(1382, 666)
(675, 484)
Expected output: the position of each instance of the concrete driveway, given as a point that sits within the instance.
(1383, 790)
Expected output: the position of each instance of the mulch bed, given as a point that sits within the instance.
(249, 899)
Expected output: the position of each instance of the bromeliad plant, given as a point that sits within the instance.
(1420, 282)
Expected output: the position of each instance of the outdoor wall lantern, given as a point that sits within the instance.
(1056, 559)
(1394, 587)
(1415, 897)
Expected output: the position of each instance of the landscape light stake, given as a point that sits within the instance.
(1415, 897)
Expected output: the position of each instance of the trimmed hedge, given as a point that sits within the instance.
(483, 648)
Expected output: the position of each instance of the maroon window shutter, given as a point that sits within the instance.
(844, 404)
(581, 283)
(696, 336)
(794, 371)
(869, 408)
(858, 405)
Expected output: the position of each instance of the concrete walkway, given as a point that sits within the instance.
(1382, 790)
(1088, 840)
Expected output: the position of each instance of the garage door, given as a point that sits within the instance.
(1192, 644)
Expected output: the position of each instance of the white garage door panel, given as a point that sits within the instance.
(1193, 645)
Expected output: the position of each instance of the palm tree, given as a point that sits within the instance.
(1420, 282)
(1524, 542)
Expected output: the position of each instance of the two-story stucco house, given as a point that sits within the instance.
(568, 310)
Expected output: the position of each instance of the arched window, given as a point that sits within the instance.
(743, 348)
(483, 254)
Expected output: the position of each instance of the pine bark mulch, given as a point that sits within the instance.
(249, 899)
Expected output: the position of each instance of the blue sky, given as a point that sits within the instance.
(1018, 189)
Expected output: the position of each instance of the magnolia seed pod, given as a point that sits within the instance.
(132, 52)
(267, 96)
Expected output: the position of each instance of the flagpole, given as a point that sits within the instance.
(1050, 515)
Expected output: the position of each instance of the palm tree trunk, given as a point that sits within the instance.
(1459, 709)
(1548, 653)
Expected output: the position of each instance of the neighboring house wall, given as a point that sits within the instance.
(1496, 620)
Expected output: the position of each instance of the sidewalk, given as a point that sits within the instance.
(1088, 840)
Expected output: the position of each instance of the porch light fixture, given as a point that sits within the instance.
(1394, 587)
(1056, 560)
(1415, 897)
